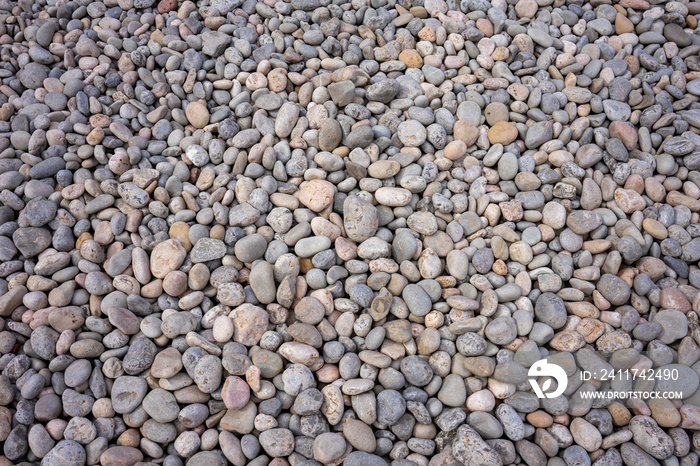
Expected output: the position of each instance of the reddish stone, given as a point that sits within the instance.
(465, 132)
(512, 210)
(673, 298)
(166, 6)
(629, 201)
(625, 132)
(235, 392)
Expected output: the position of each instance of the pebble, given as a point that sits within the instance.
(277, 442)
(316, 194)
(359, 435)
(550, 310)
(235, 393)
(121, 455)
(66, 452)
(328, 447)
(127, 393)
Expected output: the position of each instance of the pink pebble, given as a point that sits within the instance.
(66, 339)
(235, 392)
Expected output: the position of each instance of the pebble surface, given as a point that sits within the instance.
(316, 232)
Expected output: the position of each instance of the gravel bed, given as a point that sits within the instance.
(316, 232)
